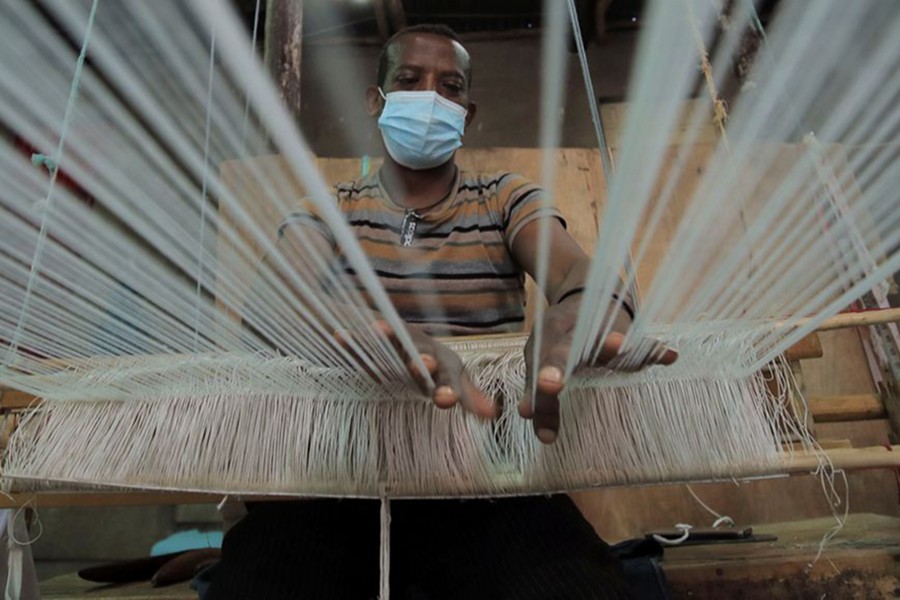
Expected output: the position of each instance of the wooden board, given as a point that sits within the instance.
(872, 432)
(72, 587)
(614, 115)
(861, 563)
(842, 368)
(808, 347)
(94, 498)
(622, 513)
(849, 407)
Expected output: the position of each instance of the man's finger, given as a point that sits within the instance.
(431, 365)
(445, 396)
(541, 399)
(543, 406)
(545, 417)
(611, 348)
(475, 401)
(667, 356)
(453, 386)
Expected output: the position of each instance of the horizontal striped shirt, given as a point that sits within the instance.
(448, 268)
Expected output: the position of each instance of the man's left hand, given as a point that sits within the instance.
(559, 328)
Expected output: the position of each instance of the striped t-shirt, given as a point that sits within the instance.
(448, 268)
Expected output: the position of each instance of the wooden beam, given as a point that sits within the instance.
(283, 44)
(59, 499)
(854, 407)
(860, 319)
(15, 399)
(856, 459)
(398, 15)
(381, 19)
(809, 347)
(861, 563)
(799, 463)
(828, 444)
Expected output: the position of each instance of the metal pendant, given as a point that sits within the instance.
(408, 228)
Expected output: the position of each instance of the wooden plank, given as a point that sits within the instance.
(8, 424)
(125, 498)
(826, 444)
(16, 400)
(860, 433)
(861, 574)
(874, 457)
(398, 14)
(614, 115)
(861, 319)
(860, 564)
(381, 20)
(842, 369)
(72, 587)
(809, 347)
(796, 394)
(800, 463)
(851, 407)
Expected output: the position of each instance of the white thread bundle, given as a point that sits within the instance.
(116, 314)
(222, 428)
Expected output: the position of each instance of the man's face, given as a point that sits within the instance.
(427, 62)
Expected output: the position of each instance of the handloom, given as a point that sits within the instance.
(163, 366)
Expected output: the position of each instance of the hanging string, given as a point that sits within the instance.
(385, 551)
(47, 204)
(719, 110)
(204, 180)
(605, 151)
(685, 530)
(720, 518)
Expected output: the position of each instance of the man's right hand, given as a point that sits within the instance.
(452, 385)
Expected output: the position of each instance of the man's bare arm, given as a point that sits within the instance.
(564, 288)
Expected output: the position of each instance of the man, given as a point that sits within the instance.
(420, 218)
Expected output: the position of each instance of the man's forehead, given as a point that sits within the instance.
(416, 49)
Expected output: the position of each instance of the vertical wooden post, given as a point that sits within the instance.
(398, 15)
(381, 19)
(284, 36)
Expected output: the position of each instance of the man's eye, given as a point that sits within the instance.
(406, 80)
(453, 87)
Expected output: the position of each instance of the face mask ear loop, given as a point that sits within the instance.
(381, 93)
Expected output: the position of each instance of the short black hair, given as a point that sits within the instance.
(430, 28)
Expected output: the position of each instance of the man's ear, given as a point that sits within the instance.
(374, 101)
(470, 113)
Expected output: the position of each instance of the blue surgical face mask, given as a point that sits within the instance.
(421, 130)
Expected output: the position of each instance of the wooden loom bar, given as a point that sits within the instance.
(848, 459)
(800, 463)
(852, 407)
(860, 319)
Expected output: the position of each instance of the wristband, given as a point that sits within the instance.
(572, 292)
(577, 290)
(624, 305)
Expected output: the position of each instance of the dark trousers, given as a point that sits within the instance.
(516, 549)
